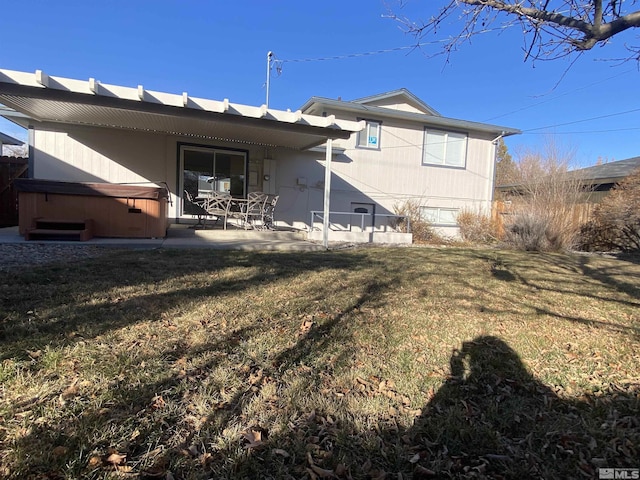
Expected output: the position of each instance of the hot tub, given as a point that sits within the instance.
(126, 211)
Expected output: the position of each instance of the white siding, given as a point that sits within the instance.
(85, 154)
(385, 177)
(392, 104)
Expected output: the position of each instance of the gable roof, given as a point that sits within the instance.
(44, 98)
(318, 106)
(8, 140)
(609, 172)
(402, 94)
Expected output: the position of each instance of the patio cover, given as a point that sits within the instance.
(45, 98)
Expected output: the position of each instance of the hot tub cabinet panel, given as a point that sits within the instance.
(116, 210)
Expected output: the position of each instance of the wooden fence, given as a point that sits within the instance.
(10, 169)
(501, 210)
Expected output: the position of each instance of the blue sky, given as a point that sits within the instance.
(217, 49)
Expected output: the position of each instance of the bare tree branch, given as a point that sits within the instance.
(552, 28)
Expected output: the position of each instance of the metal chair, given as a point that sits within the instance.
(269, 211)
(254, 209)
(218, 205)
(195, 206)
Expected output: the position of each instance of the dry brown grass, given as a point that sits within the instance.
(369, 363)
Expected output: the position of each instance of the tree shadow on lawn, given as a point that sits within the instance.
(142, 409)
(141, 412)
(490, 419)
(534, 269)
(73, 316)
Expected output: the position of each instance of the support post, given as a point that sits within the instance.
(327, 194)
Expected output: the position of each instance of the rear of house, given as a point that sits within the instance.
(91, 132)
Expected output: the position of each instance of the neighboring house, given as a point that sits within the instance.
(384, 150)
(8, 140)
(597, 180)
(600, 179)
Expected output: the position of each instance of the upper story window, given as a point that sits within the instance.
(369, 137)
(444, 148)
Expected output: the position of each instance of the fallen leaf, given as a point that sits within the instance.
(323, 473)
(254, 437)
(157, 471)
(70, 391)
(341, 470)
(193, 450)
(158, 402)
(306, 326)
(279, 451)
(422, 472)
(34, 354)
(94, 462)
(60, 451)
(116, 459)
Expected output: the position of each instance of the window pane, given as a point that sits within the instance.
(429, 214)
(448, 216)
(434, 147)
(456, 149)
(363, 136)
(374, 128)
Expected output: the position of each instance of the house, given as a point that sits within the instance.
(601, 179)
(596, 181)
(357, 159)
(8, 140)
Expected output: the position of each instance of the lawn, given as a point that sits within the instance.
(365, 363)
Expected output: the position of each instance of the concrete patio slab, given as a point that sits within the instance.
(181, 236)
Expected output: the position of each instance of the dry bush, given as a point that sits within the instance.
(476, 227)
(420, 228)
(528, 231)
(616, 221)
(544, 202)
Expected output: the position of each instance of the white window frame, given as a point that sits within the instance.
(436, 220)
(367, 135)
(446, 157)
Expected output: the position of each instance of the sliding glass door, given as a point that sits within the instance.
(212, 170)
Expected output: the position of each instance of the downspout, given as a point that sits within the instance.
(494, 142)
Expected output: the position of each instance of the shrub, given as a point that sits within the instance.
(476, 227)
(544, 203)
(528, 231)
(616, 221)
(420, 228)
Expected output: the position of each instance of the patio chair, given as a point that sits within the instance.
(269, 211)
(195, 206)
(254, 209)
(217, 205)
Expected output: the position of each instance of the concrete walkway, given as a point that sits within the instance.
(181, 236)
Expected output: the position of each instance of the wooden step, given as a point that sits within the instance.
(57, 229)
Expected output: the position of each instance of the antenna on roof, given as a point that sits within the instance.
(269, 58)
